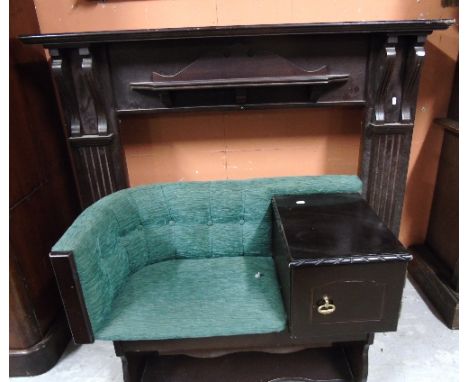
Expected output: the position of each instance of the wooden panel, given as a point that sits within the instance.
(42, 202)
(72, 296)
(373, 311)
(24, 330)
(434, 279)
(389, 163)
(368, 296)
(238, 73)
(436, 263)
(453, 112)
(325, 364)
(442, 234)
(394, 69)
(82, 78)
(25, 171)
(231, 344)
(32, 233)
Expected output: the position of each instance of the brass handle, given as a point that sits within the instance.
(326, 306)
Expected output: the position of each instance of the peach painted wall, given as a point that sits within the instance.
(239, 145)
(280, 142)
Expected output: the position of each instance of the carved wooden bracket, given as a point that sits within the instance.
(399, 70)
(61, 73)
(414, 63)
(93, 84)
(386, 71)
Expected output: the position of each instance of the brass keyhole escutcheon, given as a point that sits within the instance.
(325, 306)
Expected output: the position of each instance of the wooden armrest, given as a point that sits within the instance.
(68, 282)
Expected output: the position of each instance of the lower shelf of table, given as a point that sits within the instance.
(321, 364)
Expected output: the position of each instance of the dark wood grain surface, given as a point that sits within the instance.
(42, 202)
(334, 247)
(326, 364)
(408, 26)
(67, 278)
(335, 228)
(436, 264)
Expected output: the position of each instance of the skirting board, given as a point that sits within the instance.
(42, 356)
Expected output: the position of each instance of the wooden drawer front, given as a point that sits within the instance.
(366, 298)
(355, 301)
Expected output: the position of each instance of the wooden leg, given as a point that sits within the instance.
(133, 365)
(357, 354)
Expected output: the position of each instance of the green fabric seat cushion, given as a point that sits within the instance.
(122, 233)
(188, 298)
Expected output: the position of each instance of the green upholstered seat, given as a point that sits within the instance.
(188, 298)
(143, 230)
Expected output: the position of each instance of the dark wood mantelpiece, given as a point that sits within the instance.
(375, 65)
(399, 26)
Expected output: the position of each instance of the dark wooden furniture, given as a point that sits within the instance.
(329, 364)
(42, 203)
(435, 267)
(333, 252)
(374, 65)
(341, 270)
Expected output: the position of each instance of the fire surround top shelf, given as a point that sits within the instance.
(80, 38)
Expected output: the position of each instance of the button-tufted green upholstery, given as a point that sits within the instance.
(179, 260)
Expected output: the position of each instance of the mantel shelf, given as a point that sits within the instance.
(240, 82)
(81, 38)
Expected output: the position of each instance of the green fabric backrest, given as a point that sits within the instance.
(135, 227)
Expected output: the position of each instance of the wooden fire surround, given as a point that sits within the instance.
(100, 76)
